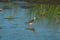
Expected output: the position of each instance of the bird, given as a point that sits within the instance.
(30, 22)
(31, 28)
(0, 10)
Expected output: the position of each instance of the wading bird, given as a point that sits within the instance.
(30, 23)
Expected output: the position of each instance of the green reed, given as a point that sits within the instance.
(48, 12)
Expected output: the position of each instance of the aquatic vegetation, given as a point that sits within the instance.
(48, 11)
(51, 13)
(4, 4)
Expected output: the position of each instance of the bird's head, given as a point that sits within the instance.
(34, 18)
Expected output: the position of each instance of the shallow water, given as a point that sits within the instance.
(10, 31)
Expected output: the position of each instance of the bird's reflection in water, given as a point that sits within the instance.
(31, 28)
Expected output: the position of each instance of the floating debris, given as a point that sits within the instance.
(9, 18)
